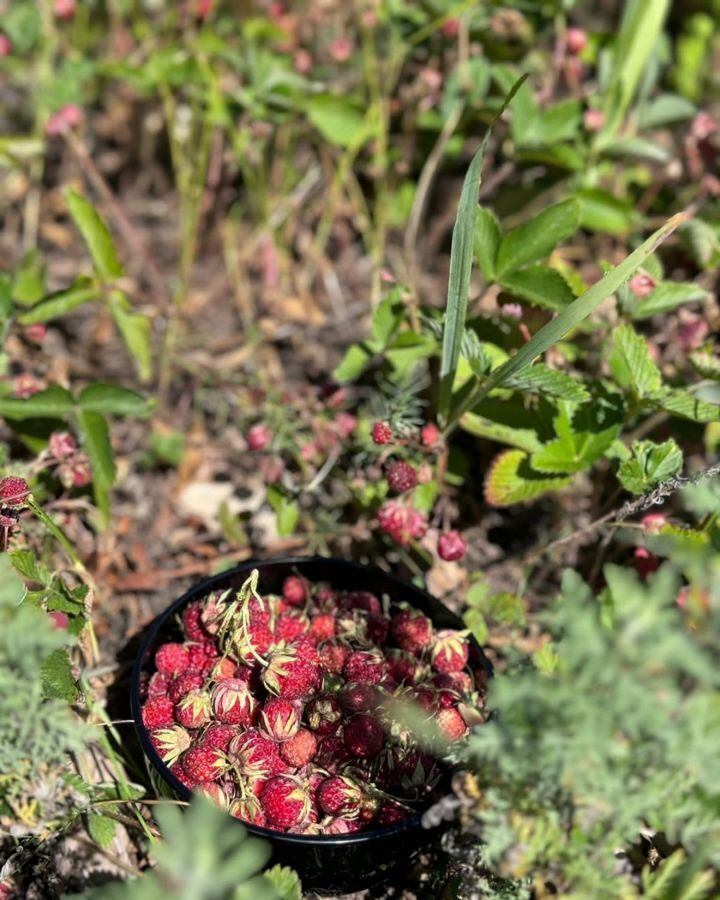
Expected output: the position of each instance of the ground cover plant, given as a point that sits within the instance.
(428, 285)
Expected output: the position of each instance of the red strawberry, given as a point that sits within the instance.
(260, 609)
(418, 773)
(341, 825)
(429, 434)
(183, 684)
(214, 610)
(451, 723)
(403, 523)
(323, 715)
(332, 754)
(158, 712)
(219, 794)
(248, 809)
(194, 710)
(322, 627)
(158, 685)
(253, 642)
(381, 433)
(376, 629)
(289, 676)
(325, 599)
(391, 813)
(295, 590)
(333, 656)
(182, 776)
(192, 622)
(450, 651)
(170, 743)
(285, 801)
(364, 600)
(426, 697)
(401, 477)
(365, 665)
(280, 718)
(290, 626)
(201, 657)
(306, 649)
(404, 667)
(460, 682)
(233, 702)
(340, 796)
(411, 630)
(203, 763)
(14, 491)
(358, 696)
(259, 437)
(451, 546)
(172, 659)
(255, 755)
(218, 736)
(300, 749)
(224, 668)
(364, 736)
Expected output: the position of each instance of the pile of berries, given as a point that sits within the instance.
(290, 711)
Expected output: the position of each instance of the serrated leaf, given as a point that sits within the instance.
(539, 285)
(285, 881)
(576, 448)
(680, 403)
(632, 364)
(101, 829)
(511, 479)
(541, 379)
(667, 296)
(356, 359)
(26, 563)
(706, 365)
(61, 303)
(486, 241)
(522, 438)
(111, 399)
(536, 239)
(96, 236)
(704, 242)
(600, 211)
(56, 677)
(53, 402)
(649, 465)
(135, 330)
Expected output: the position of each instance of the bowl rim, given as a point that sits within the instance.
(204, 587)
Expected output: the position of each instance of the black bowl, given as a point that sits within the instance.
(325, 863)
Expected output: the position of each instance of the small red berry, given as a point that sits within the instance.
(411, 630)
(294, 590)
(5, 45)
(333, 655)
(641, 285)
(367, 666)
(340, 796)
(280, 718)
(204, 763)
(194, 710)
(62, 444)
(259, 437)
(429, 435)
(451, 546)
(14, 491)
(218, 736)
(36, 333)
(183, 684)
(576, 40)
(381, 433)
(401, 477)
(450, 651)
(286, 802)
(65, 119)
(233, 702)
(158, 712)
(451, 723)
(364, 736)
(322, 627)
(323, 715)
(300, 749)
(64, 9)
(172, 659)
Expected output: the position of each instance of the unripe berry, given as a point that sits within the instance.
(259, 437)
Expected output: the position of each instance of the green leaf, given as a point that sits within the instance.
(101, 829)
(61, 303)
(26, 563)
(29, 280)
(522, 438)
(667, 109)
(511, 479)
(541, 379)
(56, 677)
(600, 211)
(388, 316)
(632, 364)
(635, 148)
(461, 252)
(579, 442)
(338, 120)
(704, 242)
(486, 241)
(665, 297)
(96, 441)
(356, 359)
(536, 239)
(113, 400)
(682, 404)
(706, 365)
(650, 465)
(135, 330)
(53, 402)
(285, 881)
(559, 122)
(546, 659)
(286, 511)
(539, 285)
(96, 236)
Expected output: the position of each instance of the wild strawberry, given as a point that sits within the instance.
(201, 657)
(183, 684)
(260, 609)
(295, 590)
(460, 682)
(333, 656)
(323, 715)
(450, 651)
(322, 627)
(224, 668)
(300, 749)
(170, 743)
(345, 424)
(363, 600)
(376, 629)
(364, 736)
(259, 437)
(213, 613)
(418, 773)
(203, 763)
(66, 118)
(192, 622)
(426, 697)
(194, 710)
(365, 665)
(451, 724)
(158, 712)
(306, 648)
(218, 736)
(219, 794)
(253, 642)
(62, 444)
(403, 523)
(357, 696)
(290, 626)
(451, 546)
(392, 812)
(404, 667)
(289, 676)
(332, 754)
(14, 491)
(255, 755)
(233, 702)
(182, 776)
(340, 825)
(641, 285)
(340, 796)
(645, 562)
(285, 801)
(429, 434)
(248, 809)
(280, 718)
(401, 477)
(158, 685)
(381, 433)
(576, 40)
(411, 630)
(326, 599)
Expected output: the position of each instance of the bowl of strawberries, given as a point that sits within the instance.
(318, 701)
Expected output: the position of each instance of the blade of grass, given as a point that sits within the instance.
(566, 320)
(461, 253)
